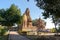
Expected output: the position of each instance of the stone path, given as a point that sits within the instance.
(13, 35)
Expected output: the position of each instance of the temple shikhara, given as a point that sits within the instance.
(27, 23)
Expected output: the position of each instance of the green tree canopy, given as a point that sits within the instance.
(10, 16)
(2, 11)
(50, 7)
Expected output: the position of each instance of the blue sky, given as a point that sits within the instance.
(35, 12)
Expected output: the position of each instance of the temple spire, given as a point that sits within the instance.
(27, 11)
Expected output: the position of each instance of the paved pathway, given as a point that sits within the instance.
(13, 35)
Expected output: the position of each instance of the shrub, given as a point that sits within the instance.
(2, 30)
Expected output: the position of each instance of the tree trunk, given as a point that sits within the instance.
(55, 27)
(9, 27)
(54, 21)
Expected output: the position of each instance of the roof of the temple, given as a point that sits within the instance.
(27, 12)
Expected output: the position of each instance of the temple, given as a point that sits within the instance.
(27, 22)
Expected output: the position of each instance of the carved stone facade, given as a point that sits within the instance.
(27, 22)
(40, 24)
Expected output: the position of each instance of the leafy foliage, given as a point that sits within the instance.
(58, 29)
(2, 30)
(10, 16)
(2, 11)
(51, 9)
(34, 22)
(53, 30)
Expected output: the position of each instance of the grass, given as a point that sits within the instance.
(5, 37)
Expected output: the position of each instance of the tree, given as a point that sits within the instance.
(34, 22)
(11, 15)
(2, 11)
(58, 29)
(53, 30)
(39, 23)
(2, 30)
(51, 9)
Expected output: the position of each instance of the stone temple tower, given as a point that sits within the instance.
(27, 22)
